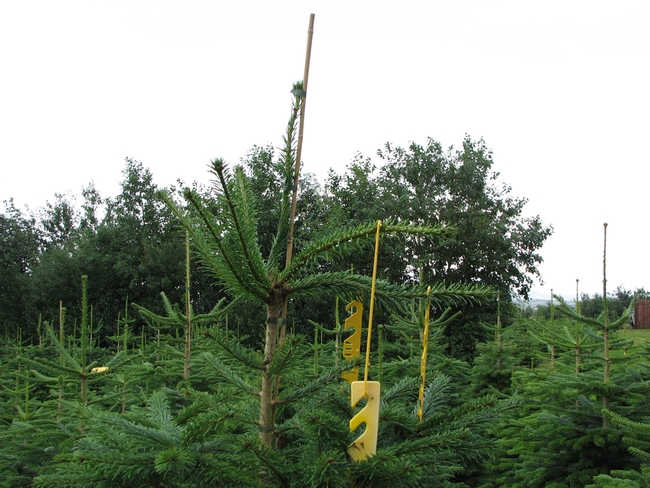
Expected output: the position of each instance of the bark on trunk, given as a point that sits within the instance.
(188, 311)
(606, 326)
(267, 406)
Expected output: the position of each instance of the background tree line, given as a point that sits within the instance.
(132, 249)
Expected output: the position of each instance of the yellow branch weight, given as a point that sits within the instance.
(366, 444)
(352, 344)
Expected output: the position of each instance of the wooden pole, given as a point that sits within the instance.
(296, 177)
(294, 197)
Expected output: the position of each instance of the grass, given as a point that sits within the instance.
(640, 336)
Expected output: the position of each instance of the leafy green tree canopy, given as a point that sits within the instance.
(496, 243)
(20, 244)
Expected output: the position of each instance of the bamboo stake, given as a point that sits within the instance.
(294, 197)
(296, 177)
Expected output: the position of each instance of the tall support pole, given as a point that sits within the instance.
(294, 197)
(296, 177)
(301, 128)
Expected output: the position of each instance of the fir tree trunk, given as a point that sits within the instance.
(606, 371)
(84, 388)
(267, 406)
(499, 343)
(188, 345)
(188, 311)
(552, 357)
(84, 338)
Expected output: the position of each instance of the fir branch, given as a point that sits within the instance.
(61, 350)
(212, 227)
(319, 327)
(403, 390)
(236, 350)
(332, 375)
(228, 374)
(219, 407)
(396, 423)
(173, 316)
(246, 228)
(169, 437)
(221, 262)
(350, 287)
(287, 355)
(41, 377)
(342, 242)
(436, 395)
(445, 318)
(159, 411)
(329, 470)
(287, 164)
(389, 469)
(52, 366)
(270, 461)
(224, 252)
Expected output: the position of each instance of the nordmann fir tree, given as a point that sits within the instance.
(188, 321)
(49, 422)
(73, 364)
(604, 325)
(567, 439)
(637, 438)
(495, 361)
(225, 237)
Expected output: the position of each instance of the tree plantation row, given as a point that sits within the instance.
(529, 412)
(199, 336)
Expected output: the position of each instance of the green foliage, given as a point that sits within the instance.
(544, 403)
(567, 435)
(19, 251)
(142, 425)
(494, 243)
(493, 366)
(146, 447)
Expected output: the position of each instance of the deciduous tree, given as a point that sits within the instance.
(495, 243)
(20, 243)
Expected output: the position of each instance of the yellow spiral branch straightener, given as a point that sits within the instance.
(423, 362)
(366, 444)
(352, 344)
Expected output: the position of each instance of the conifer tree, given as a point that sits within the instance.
(495, 361)
(73, 365)
(637, 438)
(146, 447)
(565, 438)
(224, 234)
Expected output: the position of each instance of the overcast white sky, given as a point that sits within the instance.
(559, 90)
